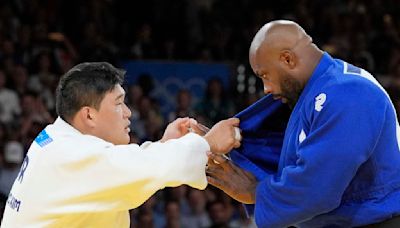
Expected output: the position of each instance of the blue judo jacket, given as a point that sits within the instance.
(335, 162)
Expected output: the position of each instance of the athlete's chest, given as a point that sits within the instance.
(299, 128)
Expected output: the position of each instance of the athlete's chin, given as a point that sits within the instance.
(127, 139)
(123, 140)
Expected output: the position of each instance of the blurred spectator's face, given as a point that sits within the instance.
(135, 93)
(197, 200)
(184, 99)
(145, 219)
(215, 88)
(145, 106)
(217, 213)
(20, 75)
(28, 104)
(210, 195)
(111, 121)
(172, 210)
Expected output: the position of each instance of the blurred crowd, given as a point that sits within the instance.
(42, 39)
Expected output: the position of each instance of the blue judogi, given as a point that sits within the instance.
(339, 162)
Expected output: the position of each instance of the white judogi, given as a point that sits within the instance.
(73, 180)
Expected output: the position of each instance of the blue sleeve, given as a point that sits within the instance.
(341, 137)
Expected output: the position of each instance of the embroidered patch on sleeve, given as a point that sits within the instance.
(43, 139)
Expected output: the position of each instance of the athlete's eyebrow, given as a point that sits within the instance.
(120, 96)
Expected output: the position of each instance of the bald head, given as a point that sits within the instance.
(283, 56)
(279, 35)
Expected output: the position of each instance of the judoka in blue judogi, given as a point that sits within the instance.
(332, 159)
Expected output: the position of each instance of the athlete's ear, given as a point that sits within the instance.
(288, 59)
(87, 116)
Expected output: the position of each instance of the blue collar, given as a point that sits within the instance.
(263, 125)
(325, 62)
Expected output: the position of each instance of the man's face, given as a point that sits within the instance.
(276, 79)
(112, 118)
(290, 90)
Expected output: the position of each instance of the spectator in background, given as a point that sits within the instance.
(215, 105)
(34, 116)
(392, 82)
(143, 46)
(63, 51)
(44, 81)
(179, 195)
(40, 39)
(146, 82)
(151, 209)
(151, 119)
(12, 159)
(7, 50)
(19, 78)
(34, 109)
(218, 214)
(8, 66)
(361, 57)
(184, 105)
(243, 220)
(24, 44)
(134, 98)
(9, 101)
(198, 216)
(95, 46)
(172, 214)
(144, 219)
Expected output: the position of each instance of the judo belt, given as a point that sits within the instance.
(390, 223)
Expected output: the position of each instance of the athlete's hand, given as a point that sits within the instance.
(178, 128)
(234, 181)
(223, 136)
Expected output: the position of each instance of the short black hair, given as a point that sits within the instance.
(85, 85)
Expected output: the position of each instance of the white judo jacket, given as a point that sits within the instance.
(73, 180)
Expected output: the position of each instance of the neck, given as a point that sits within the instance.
(311, 61)
(78, 124)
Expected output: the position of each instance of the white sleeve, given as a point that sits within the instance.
(125, 176)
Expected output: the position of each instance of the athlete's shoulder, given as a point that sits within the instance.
(345, 89)
(345, 81)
